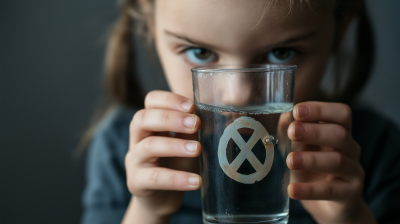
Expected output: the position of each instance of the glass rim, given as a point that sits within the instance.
(247, 68)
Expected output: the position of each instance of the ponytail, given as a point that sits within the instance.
(121, 78)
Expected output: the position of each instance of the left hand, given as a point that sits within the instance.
(326, 173)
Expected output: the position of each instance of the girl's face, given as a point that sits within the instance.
(198, 32)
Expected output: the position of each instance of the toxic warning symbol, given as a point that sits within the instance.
(262, 169)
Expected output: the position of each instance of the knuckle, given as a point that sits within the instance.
(313, 160)
(131, 174)
(131, 125)
(139, 117)
(340, 133)
(357, 185)
(132, 184)
(328, 191)
(169, 99)
(311, 192)
(346, 110)
(166, 118)
(149, 144)
(170, 145)
(173, 179)
(316, 132)
(154, 177)
(149, 97)
(340, 161)
(318, 109)
(361, 176)
(131, 159)
(128, 158)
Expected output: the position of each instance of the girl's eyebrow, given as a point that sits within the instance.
(208, 46)
(299, 38)
(288, 41)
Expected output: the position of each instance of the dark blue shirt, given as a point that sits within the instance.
(106, 195)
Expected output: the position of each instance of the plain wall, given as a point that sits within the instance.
(51, 55)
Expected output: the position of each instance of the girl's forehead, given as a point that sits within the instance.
(240, 22)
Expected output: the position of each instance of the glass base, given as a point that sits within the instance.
(281, 218)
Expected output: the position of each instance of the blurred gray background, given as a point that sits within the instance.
(51, 55)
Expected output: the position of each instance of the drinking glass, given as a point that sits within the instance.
(245, 112)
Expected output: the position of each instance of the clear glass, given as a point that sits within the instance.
(245, 113)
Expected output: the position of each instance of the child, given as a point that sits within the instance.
(344, 159)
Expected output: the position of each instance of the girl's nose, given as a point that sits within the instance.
(241, 59)
(237, 89)
(237, 86)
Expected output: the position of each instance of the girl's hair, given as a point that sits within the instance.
(121, 78)
(125, 89)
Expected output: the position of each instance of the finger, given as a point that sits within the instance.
(325, 162)
(337, 113)
(329, 135)
(147, 121)
(153, 146)
(328, 190)
(159, 178)
(169, 101)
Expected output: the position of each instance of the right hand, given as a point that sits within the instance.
(160, 166)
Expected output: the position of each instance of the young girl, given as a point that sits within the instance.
(344, 163)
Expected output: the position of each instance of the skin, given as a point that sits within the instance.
(326, 174)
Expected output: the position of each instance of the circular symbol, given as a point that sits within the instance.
(245, 151)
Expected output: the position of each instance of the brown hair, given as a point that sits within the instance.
(121, 80)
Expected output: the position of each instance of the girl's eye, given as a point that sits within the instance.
(200, 55)
(281, 55)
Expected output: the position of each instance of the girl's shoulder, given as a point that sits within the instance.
(378, 138)
(111, 136)
(106, 196)
(369, 129)
(363, 114)
(116, 122)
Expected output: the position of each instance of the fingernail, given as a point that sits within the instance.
(191, 146)
(302, 111)
(190, 122)
(194, 181)
(186, 105)
(297, 159)
(298, 130)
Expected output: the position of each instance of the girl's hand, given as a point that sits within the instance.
(326, 174)
(160, 166)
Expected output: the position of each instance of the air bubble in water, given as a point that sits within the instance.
(269, 140)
